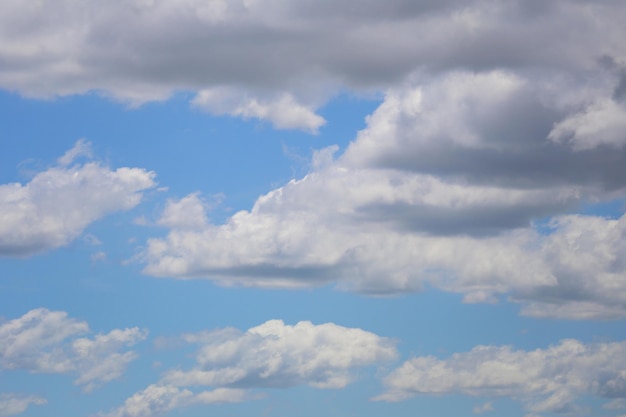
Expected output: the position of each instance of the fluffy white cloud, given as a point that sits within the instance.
(442, 187)
(272, 354)
(56, 205)
(546, 380)
(278, 355)
(157, 400)
(43, 341)
(282, 111)
(13, 404)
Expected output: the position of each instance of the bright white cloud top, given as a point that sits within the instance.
(415, 177)
(278, 355)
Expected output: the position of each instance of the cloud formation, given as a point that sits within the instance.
(283, 111)
(56, 205)
(274, 354)
(444, 187)
(43, 341)
(271, 355)
(545, 380)
(138, 50)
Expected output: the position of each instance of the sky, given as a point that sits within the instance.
(312, 208)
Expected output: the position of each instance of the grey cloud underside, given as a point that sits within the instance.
(543, 164)
(281, 45)
(442, 221)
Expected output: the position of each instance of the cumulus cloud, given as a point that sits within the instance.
(12, 404)
(274, 354)
(56, 205)
(545, 380)
(443, 187)
(271, 355)
(43, 341)
(157, 400)
(282, 111)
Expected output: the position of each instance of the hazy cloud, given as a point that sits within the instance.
(157, 400)
(12, 404)
(282, 111)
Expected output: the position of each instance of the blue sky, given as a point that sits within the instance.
(264, 207)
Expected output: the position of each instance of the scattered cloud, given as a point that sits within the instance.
(274, 354)
(12, 404)
(545, 380)
(43, 341)
(282, 111)
(57, 204)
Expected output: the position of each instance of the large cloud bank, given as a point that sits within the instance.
(445, 186)
(278, 60)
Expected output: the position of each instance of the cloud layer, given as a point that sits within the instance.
(546, 380)
(56, 205)
(43, 341)
(141, 50)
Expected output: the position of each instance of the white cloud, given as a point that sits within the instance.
(157, 400)
(283, 111)
(278, 355)
(57, 204)
(438, 190)
(186, 213)
(545, 380)
(12, 404)
(43, 341)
